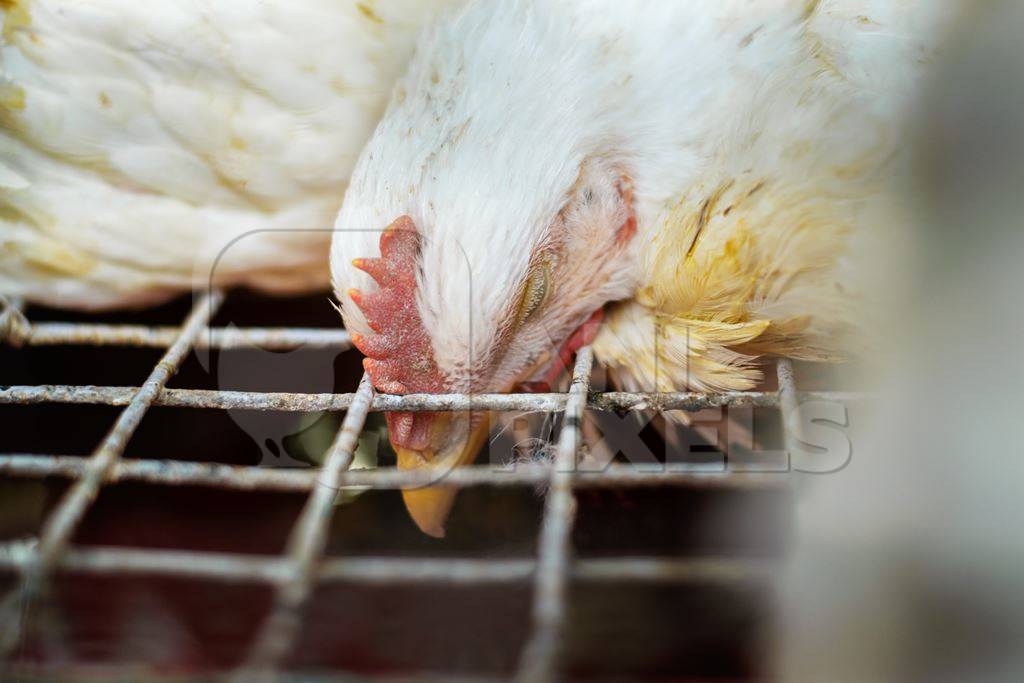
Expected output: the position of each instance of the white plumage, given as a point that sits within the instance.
(139, 140)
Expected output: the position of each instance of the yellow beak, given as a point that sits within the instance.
(430, 505)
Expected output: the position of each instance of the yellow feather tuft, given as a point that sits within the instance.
(743, 267)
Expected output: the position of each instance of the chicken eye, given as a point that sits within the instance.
(534, 292)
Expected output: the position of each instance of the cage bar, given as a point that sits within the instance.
(245, 478)
(789, 404)
(237, 568)
(61, 524)
(539, 659)
(306, 545)
(295, 574)
(298, 402)
(272, 338)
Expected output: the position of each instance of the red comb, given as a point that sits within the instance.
(399, 357)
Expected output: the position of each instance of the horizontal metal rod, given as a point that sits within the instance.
(675, 570)
(186, 473)
(274, 338)
(200, 565)
(390, 571)
(237, 568)
(167, 472)
(296, 402)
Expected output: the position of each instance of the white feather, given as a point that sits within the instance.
(140, 140)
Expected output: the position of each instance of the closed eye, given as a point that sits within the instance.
(535, 292)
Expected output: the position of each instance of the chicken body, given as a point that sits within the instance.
(149, 148)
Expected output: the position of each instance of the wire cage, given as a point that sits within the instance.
(544, 590)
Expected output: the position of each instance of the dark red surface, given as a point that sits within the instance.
(163, 624)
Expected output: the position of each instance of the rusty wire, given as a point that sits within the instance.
(305, 545)
(359, 570)
(57, 530)
(184, 473)
(539, 659)
(296, 402)
(296, 573)
(84, 334)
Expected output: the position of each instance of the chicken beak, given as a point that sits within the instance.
(454, 442)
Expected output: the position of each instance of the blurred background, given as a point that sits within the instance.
(909, 564)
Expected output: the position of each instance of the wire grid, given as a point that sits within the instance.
(303, 566)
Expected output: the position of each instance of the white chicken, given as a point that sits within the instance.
(149, 148)
(707, 171)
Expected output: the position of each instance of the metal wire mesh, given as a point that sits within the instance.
(303, 566)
